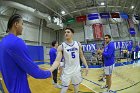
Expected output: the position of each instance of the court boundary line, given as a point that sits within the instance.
(114, 90)
(91, 81)
(128, 86)
(89, 88)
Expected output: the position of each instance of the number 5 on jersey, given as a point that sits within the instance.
(73, 54)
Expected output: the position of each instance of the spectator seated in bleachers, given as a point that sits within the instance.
(125, 51)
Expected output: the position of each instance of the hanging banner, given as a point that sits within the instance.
(81, 18)
(115, 15)
(98, 31)
(70, 21)
(123, 29)
(106, 30)
(88, 32)
(93, 16)
(124, 15)
(105, 15)
(114, 30)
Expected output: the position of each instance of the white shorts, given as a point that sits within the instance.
(75, 78)
(108, 69)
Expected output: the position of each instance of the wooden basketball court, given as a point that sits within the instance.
(125, 79)
(46, 86)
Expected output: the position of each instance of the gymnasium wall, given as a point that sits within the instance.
(61, 36)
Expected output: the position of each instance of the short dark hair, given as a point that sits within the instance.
(53, 43)
(69, 29)
(14, 18)
(108, 36)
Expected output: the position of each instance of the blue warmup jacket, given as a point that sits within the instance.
(137, 48)
(52, 54)
(129, 47)
(15, 64)
(109, 54)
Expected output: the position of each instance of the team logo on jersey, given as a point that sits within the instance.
(72, 49)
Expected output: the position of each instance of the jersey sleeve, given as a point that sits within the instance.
(20, 55)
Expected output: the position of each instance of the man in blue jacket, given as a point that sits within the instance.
(109, 59)
(15, 62)
(53, 54)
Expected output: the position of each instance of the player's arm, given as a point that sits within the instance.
(21, 57)
(82, 56)
(57, 60)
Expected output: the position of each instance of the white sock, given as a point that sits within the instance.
(64, 89)
(76, 89)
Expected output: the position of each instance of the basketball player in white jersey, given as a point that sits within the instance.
(71, 51)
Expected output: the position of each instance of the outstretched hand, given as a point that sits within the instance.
(86, 71)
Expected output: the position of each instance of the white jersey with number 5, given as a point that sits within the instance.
(71, 58)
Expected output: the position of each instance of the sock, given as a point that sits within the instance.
(76, 88)
(64, 89)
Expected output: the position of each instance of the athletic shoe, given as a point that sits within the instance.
(104, 87)
(53, 82)
(58, 86)
(102, 80)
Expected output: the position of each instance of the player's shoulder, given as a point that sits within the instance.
(60, 47)
(111, 43)
(62, 44)
(79, 44)
(52, 49)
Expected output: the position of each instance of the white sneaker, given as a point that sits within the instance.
(53, 82)
(58, 86)
(104, 87)
(102, 80)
